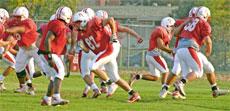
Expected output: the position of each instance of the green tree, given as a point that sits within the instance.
(39, 9)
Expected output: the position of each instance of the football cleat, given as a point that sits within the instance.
(220, 92)
(2, 86)
(45, 102)
(56, 102)
(111, 89)
(180, 87)
(163, 93)
(22, 89)
(31, 91)
(104, 89)
(85, 91)
(177, 95)
(96, 93)
(134, 98)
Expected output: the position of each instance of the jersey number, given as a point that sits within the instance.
(91, 43)
(191, 26)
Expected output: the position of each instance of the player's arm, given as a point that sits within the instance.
(4, 43)
(131, 32)
(49, 37)
(208, 43)
(111, 22)
(15, 29)
(160, 45)
(178, 29)
(82, 46)
(73, 41)
(13, 51)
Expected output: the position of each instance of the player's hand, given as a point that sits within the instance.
(139, 40)
(51, 63)
(113, 38)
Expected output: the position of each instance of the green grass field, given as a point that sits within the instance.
(198, 97)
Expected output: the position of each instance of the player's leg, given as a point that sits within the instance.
(211, 76)
(85, 60)
(47, 99)
(193, 61)
(112, 70)
(10, 60)
(30, 71)
(147, 76)
(58, 78)
(21, 61)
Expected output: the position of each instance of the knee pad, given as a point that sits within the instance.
(21, 74)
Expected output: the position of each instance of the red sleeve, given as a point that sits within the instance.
(159, 33)
(205, 29)
(1, 29)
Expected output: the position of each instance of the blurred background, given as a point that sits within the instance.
(142, 16)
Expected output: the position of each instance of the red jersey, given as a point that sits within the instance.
(197, 30)
(30, 35)
(96, 37)
(1, 30)
(178, 23)
(58, 28)
(159, 32)
(43, 27)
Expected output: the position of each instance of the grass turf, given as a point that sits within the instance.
(198, 97)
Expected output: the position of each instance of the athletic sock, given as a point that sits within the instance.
(165, 86)
(138, 76)
(183, 81)
(57, 96)
(214, 87)
(94, 86)
(103, 84)
(109, 82)
(131, 92)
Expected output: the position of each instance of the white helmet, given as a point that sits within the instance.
(64, 13)
(53, 17)
(167, 22)
(82, 17)
(102, 14)
(203, 13)
(21, 11)
(90, 13)
(192, 12)
(3, 15)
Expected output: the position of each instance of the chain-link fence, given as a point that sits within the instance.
(133, 55)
